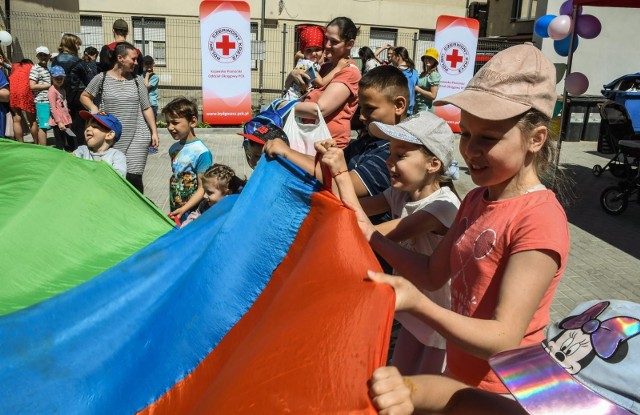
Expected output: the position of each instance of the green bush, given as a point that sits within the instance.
(203, 124)
(161, 124)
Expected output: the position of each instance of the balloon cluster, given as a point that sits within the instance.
(558, 28)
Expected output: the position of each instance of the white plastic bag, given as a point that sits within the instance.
(303, 136)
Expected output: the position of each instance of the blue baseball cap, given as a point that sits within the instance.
(57, 71)
(106, 120)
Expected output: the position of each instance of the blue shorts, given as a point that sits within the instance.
(43, 113)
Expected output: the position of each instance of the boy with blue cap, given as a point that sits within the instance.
(101, 132)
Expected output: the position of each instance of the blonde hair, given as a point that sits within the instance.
(226, 177)
(69, 44)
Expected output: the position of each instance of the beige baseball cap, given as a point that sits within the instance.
(512, 82)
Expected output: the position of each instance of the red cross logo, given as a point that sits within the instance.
(454, 59)
(226, 45)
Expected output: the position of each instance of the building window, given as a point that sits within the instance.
(380, 37)
(426, 40)
(91, 32)
(149, 35)
(257, 48)
(524, 9)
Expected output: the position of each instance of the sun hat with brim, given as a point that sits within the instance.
(425, 129)
(588, 364)
(431, 53)
(514, 81)
(42, 50)
(106, 120)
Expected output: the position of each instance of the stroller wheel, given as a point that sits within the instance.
(597, 170)
(613, 200)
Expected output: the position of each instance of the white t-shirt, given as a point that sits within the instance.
(115, 158)
(443, 204)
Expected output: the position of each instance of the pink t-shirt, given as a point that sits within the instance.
(488, 232)
(59, 110)
(339, 123)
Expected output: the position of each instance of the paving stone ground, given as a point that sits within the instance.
(604, 258)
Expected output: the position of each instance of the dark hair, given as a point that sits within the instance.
(387, 80)
(226, 177)
(26, 62)
(148, 59)
(121, 32)
(89, 51)
(348, 29)
(121, 49)
(404, 54)
(424, 65)
(365, 54)
(181, 107)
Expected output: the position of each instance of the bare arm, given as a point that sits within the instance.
(526, 278)
(4, 95)
(331, 100)
(393, 394)
(430, 93)
(38, 87)
(321, 81)
(297, 76)
(86, 100)
(151, 122)
(411, 226)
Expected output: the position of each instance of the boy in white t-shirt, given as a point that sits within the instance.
(101, 132)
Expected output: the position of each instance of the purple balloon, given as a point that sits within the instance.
(588, 26)
(567, 8)
(576, 83)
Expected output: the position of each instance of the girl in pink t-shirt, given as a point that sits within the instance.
(60, 118)
(507, 248)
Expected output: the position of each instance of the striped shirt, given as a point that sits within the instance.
(41, 76)
(122, 99)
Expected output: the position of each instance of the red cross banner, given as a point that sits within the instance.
(456, 42)
(226, 62)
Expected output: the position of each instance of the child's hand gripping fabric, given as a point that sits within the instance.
(389, 392)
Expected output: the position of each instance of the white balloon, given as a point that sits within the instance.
(5, 38)
(576, 83)
(560, 27)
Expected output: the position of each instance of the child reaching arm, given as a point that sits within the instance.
(420, 149)
(507, 249)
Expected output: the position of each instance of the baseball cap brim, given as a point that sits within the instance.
(85, 115)
(388, 132)
(483, 104)
(253, 138)
(542, 387)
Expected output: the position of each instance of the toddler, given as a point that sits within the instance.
(254, 143)
(312, 47)
(60, 118)
(101, 132)
(218, 181)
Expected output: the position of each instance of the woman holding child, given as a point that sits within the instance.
(338, 100)
(123, 94)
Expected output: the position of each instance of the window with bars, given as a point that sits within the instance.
(380, 37)
(149, 35)
(524, 9)
(426, 40)
(91, 32)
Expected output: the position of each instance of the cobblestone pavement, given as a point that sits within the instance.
(604, 261)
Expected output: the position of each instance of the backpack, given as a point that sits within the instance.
(275, 114)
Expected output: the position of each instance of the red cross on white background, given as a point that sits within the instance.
(454, 59)
(225, 45)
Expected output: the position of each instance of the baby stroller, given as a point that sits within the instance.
(615, 199)
(616, 126)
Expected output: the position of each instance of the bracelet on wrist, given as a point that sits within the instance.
(339, 173)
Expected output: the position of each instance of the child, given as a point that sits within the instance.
(383, 96)
(218, 181)
(101, 132)
(507, 249)
(151, 81)
(572, 371)
(422, 212)
(190, 158)
(60, 118)
(254, 143)
(311, 45)
(40, 82)
(21, 100)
